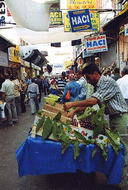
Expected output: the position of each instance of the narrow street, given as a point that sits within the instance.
(10, 139)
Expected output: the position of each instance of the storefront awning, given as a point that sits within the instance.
(5, 44)
(114, 23)
(37, 58)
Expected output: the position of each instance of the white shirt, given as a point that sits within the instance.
(123, 84)
(8, 87)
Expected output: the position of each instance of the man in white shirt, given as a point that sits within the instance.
(8, 97)
(123, 83)
(33, 91)
(82, 82)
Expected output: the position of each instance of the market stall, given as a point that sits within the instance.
(67, 147)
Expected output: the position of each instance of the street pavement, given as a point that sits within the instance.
(10, 140)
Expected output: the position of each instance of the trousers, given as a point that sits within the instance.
(34, 102)
(11, 108)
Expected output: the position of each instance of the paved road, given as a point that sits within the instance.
(10, 139)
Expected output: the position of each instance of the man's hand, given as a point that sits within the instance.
(70, 114)
(67, 106)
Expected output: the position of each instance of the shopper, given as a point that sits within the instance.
(116, 74)
(33, 91)
(22, 96)
(17, 88)
(82, 82)
(123, 83)
(62, 81)
(73, 87)
(39, 82)
(8, 97)
(106, 91)
(45, 85)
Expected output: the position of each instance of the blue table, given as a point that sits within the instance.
(36, 157)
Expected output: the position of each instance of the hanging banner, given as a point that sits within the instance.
(80, 20)
(95, 19)
(67, 25)
(55, 18)
(81, 4)
(96, 44)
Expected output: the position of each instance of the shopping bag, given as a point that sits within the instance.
(67, 97)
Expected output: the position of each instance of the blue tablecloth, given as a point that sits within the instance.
(36, 156)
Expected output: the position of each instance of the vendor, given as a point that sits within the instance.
(108, 92)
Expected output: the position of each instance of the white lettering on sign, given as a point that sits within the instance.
(80, 20)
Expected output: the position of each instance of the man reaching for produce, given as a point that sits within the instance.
(108, 92)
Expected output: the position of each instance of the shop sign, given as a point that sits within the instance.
(55, 17)
(14, 54)
(80, 20)
(67, 25)
(126, 29)
(3, 59)
(95, 20)
(96, 44)
(81, 4)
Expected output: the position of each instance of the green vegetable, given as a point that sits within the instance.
(78, 135)
(76, 150)
(89, 111)
(95, 151)
(39, 112)
(47, 128)
(40, 123)
(114, 139)
(58, 116)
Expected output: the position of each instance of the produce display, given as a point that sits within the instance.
(86, 128)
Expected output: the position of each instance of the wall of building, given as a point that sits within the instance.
(110, 56)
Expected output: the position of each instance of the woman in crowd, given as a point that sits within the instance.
(73, 87)
(54, 87)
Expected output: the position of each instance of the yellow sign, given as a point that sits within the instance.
(94, 19)
(81, 4)
(14, 54)
(68, 64)
(67, 25)
(56, 17)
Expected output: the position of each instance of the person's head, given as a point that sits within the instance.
(63, 75)
(6, 76)
(79, 74)
(109, 72)
(72, 77)
(33, 80)
(12, 77)
(116, 70)
(53, 81)
(92, 73)
(125, 70)
(38, 76)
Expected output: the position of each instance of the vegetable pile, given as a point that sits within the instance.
(63, 132)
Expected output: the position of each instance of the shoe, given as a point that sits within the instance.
(33, 113)
(15, 121)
